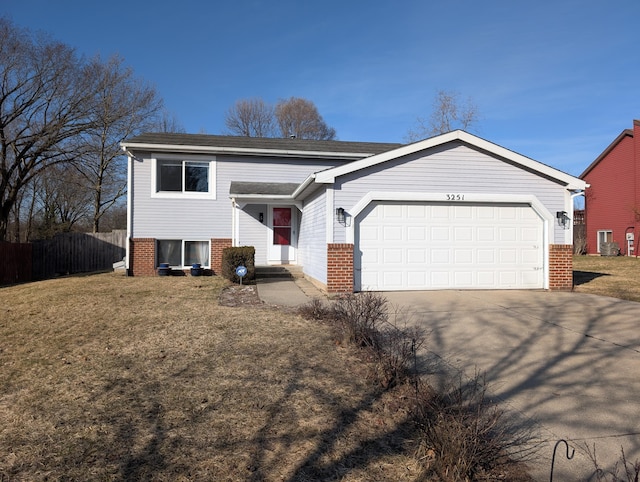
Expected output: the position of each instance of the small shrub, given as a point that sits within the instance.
(360, 316)
(468, 435)
(236, 256)
(623, 470)
(316, 310)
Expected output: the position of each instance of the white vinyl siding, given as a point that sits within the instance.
(180, 218)
(454, 168)
(312, 251)
(253, 232)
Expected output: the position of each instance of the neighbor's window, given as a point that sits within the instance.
(604, 236)
(179, 253)
(190, 177)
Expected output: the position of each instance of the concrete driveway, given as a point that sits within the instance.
(568, 362)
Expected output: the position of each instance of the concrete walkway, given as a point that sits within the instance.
(287, 292)
(568, 362)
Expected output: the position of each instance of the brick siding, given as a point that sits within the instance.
(217, 245)
(340, 268)
(142, 254)
(560, 267)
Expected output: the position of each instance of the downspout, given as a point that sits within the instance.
(130, 158)
(234, 237)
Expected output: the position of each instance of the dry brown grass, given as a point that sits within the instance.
(615, 276)
(105, 377)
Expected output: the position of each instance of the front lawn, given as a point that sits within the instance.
(615, 276)
(105, 377)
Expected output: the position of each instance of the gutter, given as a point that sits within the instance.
(306, 183)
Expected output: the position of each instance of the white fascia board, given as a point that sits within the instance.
(244, 151)
(305, 184)
(330, 175)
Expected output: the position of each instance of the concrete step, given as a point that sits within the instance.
(279, 271)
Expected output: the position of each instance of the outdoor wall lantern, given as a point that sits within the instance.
(563, 219)
(261, 217)
(340, 215)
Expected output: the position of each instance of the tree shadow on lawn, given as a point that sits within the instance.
(584, 277)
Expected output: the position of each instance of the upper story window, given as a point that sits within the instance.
(191, 177)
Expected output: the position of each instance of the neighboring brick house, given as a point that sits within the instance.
(450, 212)
(612, 200)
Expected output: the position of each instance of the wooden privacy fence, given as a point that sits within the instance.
(66, 253)
(15, 262)
(70, 253)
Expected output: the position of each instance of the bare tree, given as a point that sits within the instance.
(250, 118)
(61, 203)
(123, 106)
(293, 117)
(46, 96)
(166, 121)
(449, 113)
(300, 118)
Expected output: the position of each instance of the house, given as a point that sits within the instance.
(450, 212)
(612, 201)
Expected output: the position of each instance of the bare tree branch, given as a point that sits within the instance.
(449, 113)
(250, 118)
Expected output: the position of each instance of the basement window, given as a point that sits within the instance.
(182, 253)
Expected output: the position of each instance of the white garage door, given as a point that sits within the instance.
(422, 246)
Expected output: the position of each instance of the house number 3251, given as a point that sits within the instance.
(455, 197)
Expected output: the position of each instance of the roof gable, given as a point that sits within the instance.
(624, 134)
(329, 175)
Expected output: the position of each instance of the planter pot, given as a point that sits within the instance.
(196, 269)
(164, 269)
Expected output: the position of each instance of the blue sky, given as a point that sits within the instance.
(555, 80)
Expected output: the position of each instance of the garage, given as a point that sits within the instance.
(439, 245)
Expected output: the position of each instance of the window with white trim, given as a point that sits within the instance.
(604, 236)
(181, 253)
(189, 177)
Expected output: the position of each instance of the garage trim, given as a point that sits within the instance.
(449, 198)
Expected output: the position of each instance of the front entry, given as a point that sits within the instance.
(282, 235)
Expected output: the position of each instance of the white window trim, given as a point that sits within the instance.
(598, 237)
(182, 251)
(183, 195)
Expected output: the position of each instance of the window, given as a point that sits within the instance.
(190, 177)
(604, 236)
(179, 253)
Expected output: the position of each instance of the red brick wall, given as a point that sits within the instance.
(340, 268)
(217, 245)
(142, 257)
(560, 267)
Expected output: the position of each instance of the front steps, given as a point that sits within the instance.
(279, 272)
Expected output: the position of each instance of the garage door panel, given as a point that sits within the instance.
(486, 279)
(392, 233)
(439, 246)
(440, 233)
(392, 256)
(416, 256)
(417, 233)
(464, 233)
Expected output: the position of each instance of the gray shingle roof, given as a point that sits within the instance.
(262, 188)
(205, 140)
